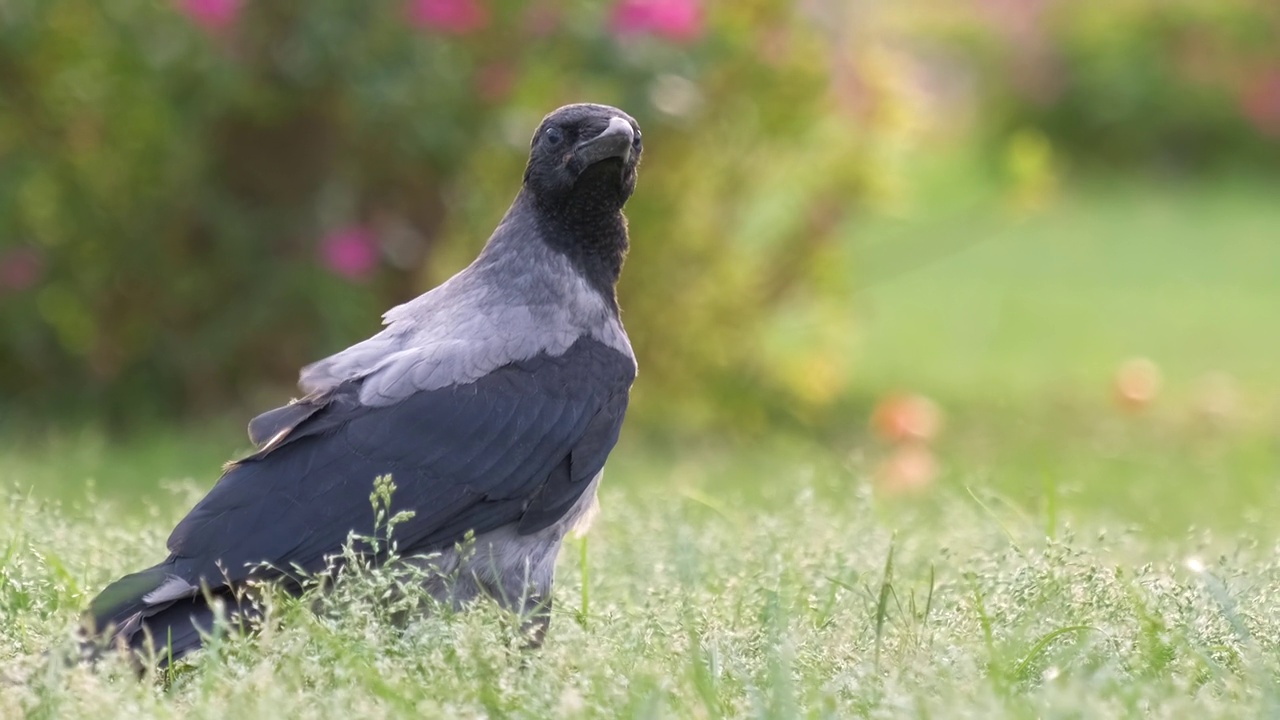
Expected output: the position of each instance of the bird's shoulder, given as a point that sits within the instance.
(514, 303)
(596, 369)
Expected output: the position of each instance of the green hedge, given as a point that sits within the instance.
(1188, 86)
(199, 197)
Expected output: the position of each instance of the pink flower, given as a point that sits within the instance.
(676, 20)
(211, 15)
(351, 252)
(454, 17)
(1260, 103)
(20, 269)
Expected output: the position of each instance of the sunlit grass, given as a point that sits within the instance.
(823, 601)
(979, 305)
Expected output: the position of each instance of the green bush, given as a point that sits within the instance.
(1178, 85)
(199, 197)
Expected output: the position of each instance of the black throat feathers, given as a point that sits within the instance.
(589, 229)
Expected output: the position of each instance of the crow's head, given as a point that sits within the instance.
(584, 155)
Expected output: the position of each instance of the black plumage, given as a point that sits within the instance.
(517, 446)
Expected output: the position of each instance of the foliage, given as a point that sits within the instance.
(202, 195)
(1178, 85)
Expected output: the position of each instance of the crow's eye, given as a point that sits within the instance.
(553, 136)
(635, 142)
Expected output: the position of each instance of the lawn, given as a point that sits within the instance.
(1070, 560)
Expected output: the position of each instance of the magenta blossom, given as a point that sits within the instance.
(350, 252)
(20, 269)
(676, 20)
(211, 15)
(453, 17)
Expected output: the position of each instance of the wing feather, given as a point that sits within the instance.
(516, 446)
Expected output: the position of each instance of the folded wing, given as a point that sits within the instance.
(516, 446)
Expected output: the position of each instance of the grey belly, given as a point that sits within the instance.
(515, 570)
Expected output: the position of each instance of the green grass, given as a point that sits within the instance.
(1071, 560)
(1016, 327)
(819, 601)
(980, 305)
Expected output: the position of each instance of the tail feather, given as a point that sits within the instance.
(155, 614)
(180, 628)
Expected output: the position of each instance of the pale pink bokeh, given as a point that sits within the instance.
(351, 252)
(452, 17)
(1034, 71)
(541, 19)
(495, 81)
(1260, 102)
(211, 15)
(676, 20)
(20, 269)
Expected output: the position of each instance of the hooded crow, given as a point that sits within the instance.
(493, 401)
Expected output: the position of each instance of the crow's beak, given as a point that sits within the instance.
(615, 142)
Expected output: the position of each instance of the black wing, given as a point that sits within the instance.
(517, 446)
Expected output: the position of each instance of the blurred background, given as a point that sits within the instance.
(1026, 246)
